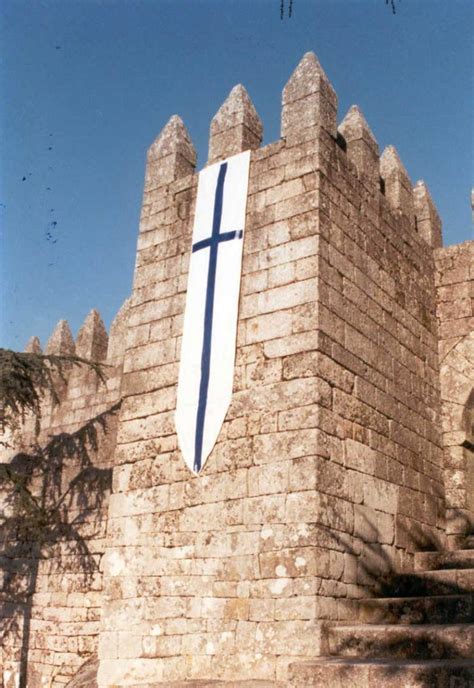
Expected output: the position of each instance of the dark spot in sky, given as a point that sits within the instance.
(54, 223)
(52, 210)
(24, 179)
(48, 188)
(58, 47)
(50, 148)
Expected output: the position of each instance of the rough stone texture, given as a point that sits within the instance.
(92, 338)
(51, 596)
(328, 472)
(236, 127)
(33, 346)
(171, 155)
(455, 288)
(61, 341)
(86, 677)
(362, 147)
(397, 184)
(428, 222)
(308, 101)
(421, 641)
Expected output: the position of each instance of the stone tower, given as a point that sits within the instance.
(342, 453)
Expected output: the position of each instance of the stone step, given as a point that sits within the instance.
(438, 609)
(440, 582)
(331, 672)
(209, 683)
(469, 541)
(433, 641)
(212, 683)
(457, 559)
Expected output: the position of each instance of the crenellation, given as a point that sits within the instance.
(308, 102)
(361, 146)
(398, 187)
(235, 127)
(33, 346)
(61, 341)
(117, 339)
(428, 222)
(340, 453)
(171, 156)
(92, 338)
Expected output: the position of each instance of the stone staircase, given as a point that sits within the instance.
(418, 634)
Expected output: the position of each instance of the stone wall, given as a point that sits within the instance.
(51, 549)
(328, 472)
(377, 328)
(455, 279)
(328, 469)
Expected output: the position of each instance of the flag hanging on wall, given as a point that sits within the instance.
(210, 320)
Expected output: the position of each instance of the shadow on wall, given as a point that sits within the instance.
(439, 596)
(468, 446)
(51, 506)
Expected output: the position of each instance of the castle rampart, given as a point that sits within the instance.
(51, 551)
(329, 471)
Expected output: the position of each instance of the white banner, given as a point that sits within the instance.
(206, 370)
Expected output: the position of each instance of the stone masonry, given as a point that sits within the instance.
(347, 447)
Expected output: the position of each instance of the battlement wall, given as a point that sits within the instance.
(455, 311)
(327, 473)
(52, 549)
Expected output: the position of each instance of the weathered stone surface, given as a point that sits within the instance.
(171, 156)
(456, 348)
(398, 187)
(61, 341)
(235, 127)
(428, 222)
(362, 147)
(92, 339)
(118, 335)
(86, 677)
(33, 346)
(328, 472)
(308, 100)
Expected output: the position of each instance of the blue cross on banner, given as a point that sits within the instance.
(210, 321)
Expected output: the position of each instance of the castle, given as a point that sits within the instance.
(342, 481)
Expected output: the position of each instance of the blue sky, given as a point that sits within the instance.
(86, 85)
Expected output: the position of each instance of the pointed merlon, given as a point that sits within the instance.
(362, 146)
(391, 165)
(354, 127)
(428, 222)
(33, 346)
(173, 139)
(237, 109)
(61, 341)
(171, 156)
(308, 100)
(398, 187)
(235, 127)
(92, 339)
(308, 77)
(117, 337)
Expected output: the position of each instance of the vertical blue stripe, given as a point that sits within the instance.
(208, 318)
